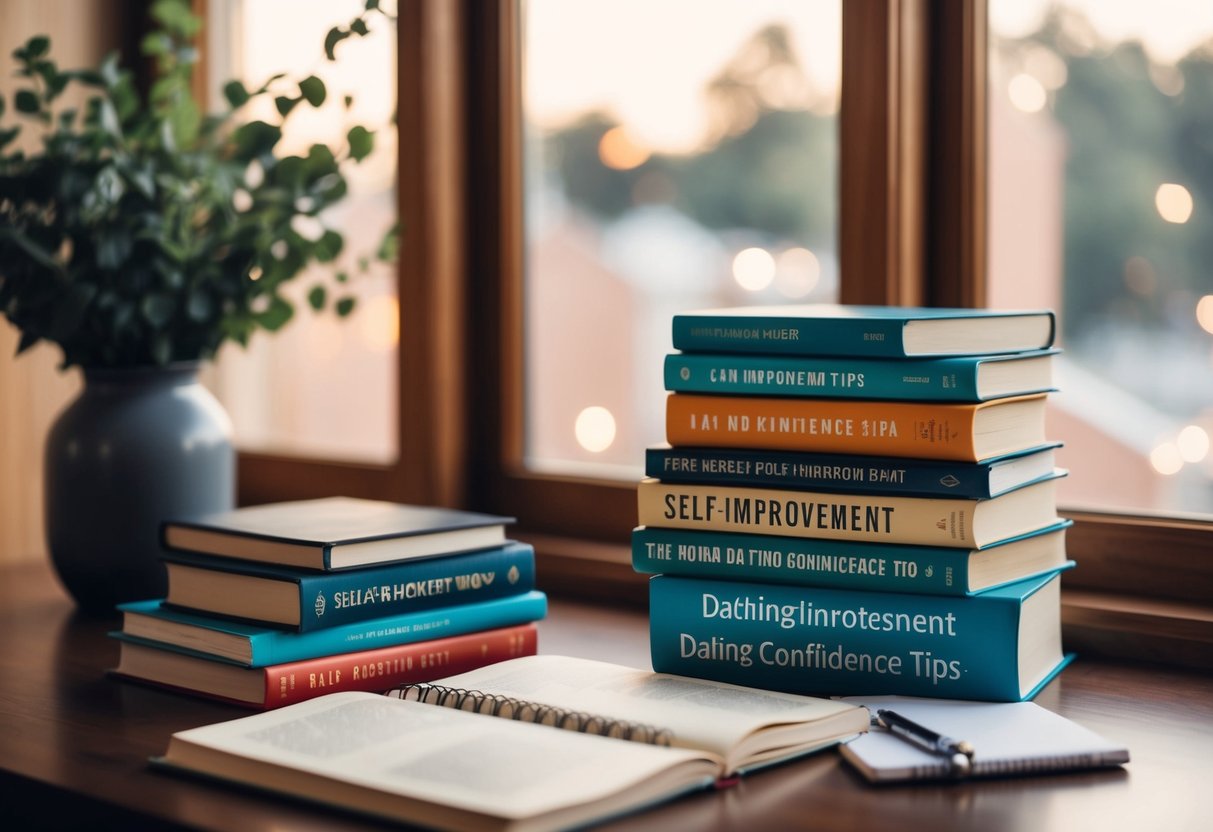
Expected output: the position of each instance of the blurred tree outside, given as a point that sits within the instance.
(1132, 279)
(768, 165)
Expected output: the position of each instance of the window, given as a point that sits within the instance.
(1101, 207)
(912, 230)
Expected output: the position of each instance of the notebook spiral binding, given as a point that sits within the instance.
(521, 710)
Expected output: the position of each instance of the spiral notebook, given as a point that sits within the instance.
(1009, 738)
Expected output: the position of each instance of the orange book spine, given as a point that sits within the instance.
(387, 667)
(912, 429)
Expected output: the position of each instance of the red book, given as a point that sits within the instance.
(285, 684)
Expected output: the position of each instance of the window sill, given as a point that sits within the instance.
(587, 570)
(1141, 629)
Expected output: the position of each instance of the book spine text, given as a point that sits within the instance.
(334, 598)
(826, 472)
(918, 520)
(835, 564)
(789, 336)
(937, 380)
(924, 430)
(379, 670)
(824, 642)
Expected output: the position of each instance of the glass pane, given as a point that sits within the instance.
(323, 386)
(674, 159)
(1101, 205)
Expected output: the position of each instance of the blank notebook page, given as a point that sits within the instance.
(1008, 738)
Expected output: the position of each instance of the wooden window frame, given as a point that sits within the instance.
(913, 161)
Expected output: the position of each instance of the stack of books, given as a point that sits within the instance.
(856, 500)
(271, 605)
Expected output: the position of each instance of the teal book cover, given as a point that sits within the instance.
(955, 379)
(254, 646)
(1002, 645)
(851, 473)
(321, 600)
(842, 564)
(862, 331)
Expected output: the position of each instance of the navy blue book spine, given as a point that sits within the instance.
(820, 472)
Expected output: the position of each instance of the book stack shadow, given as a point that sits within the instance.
(856, 500)
(271, 605)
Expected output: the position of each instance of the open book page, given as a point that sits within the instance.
(734, 722)
(437, 766)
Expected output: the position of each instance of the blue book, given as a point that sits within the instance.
(957, 379)
(253, 646)
(307, 600)
(863, 331)
(841, 564)
(1002, 645)
(850, 473)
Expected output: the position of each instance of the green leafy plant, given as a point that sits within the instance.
(144, 232)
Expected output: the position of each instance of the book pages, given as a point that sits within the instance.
(434, 765)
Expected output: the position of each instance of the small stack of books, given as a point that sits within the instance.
(274, 604)
(856, 500)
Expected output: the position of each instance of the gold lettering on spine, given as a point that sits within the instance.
(324, 679)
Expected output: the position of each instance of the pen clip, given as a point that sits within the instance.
(959, 752)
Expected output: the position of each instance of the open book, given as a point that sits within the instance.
(406, 757)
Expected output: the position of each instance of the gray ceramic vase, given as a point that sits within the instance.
(136, 447)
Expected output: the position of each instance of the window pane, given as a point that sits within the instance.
(674, 159)
(1101, 205)
(323, 386)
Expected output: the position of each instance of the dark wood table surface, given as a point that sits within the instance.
(74, 746)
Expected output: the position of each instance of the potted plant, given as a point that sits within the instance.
(139, 237)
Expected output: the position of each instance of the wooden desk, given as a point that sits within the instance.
(74, 745)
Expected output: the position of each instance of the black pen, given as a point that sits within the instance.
(959, 752)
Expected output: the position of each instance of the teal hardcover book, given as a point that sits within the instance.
(956, 379)
(254, 646)
(307, 600)
(1002, 645)
(851, 473)
(841, 564)
(863, 331)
